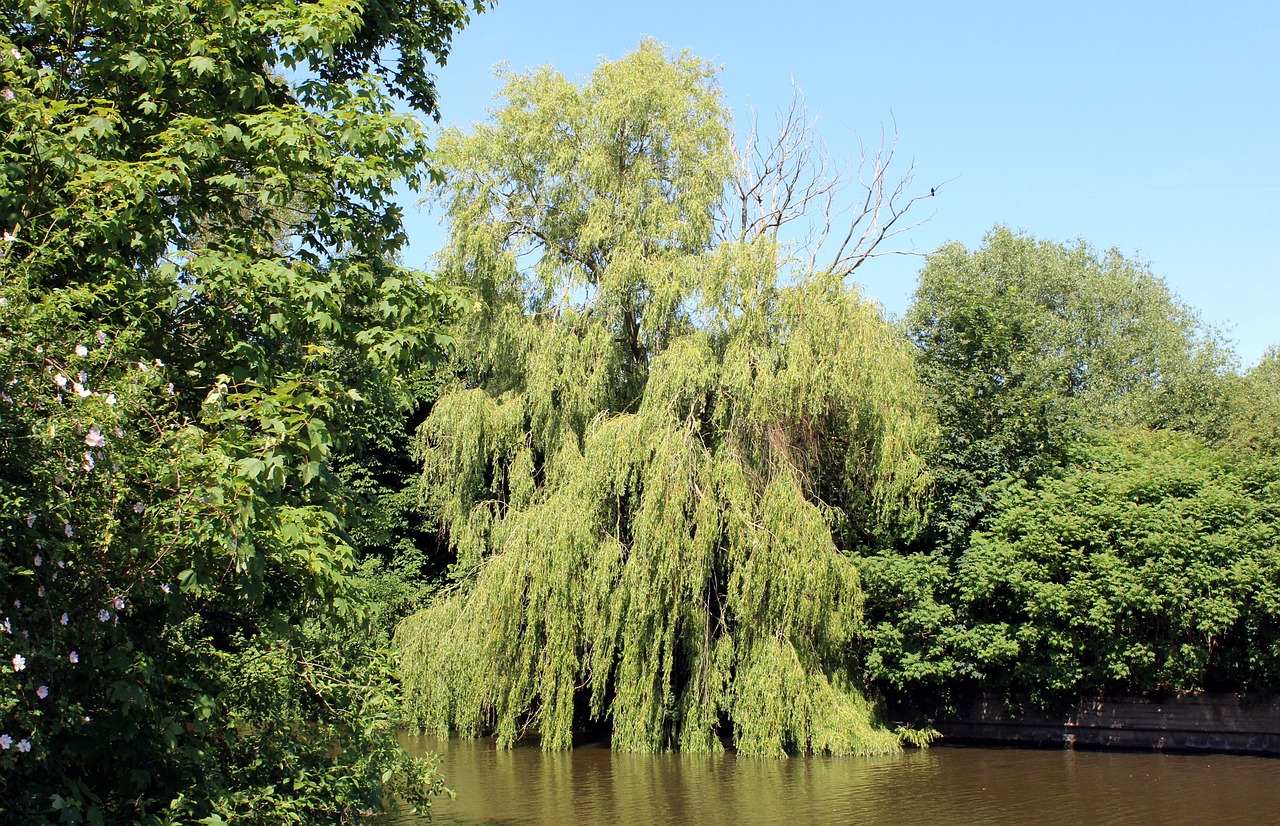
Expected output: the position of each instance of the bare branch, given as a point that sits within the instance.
(790, 179)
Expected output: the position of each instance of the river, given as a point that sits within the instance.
(943, 784)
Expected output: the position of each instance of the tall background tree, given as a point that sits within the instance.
(662, 449)
(1031, 351)
(198, 295)
(1254, 424)
(1026, 344)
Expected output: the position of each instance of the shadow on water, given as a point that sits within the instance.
(952, 785)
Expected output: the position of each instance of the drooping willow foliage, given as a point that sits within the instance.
(662, 453)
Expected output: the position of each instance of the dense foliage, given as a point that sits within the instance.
(1149, 561)
(1025, 345)
(197, 300)
(661, 450)
(1254, 424)
(1086, 421)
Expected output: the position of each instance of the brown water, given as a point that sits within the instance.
(946, 785)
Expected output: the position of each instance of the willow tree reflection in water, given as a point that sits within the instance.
(591, 784)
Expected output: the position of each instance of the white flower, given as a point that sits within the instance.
(8, 95)
(95, 437)
(143, 367)
(42, 691)
(83, 377)
(39, 347)
(101, 337)
(165, 587)
(31, 520)
(119, 603)
(159, 363)
(17, 603)
(119, 432)
(40, 592)
(73, 657)
(17, 55)
(65, 619)
(5, 741)
(24, 745)
(88, 461)
(170, 388)
(104, 615)
(81, 350)
(19, 662)
(60, 380)
(68, 530)
(82, 391)
(39, 560)
(111, 398)
(138, 507)
(8, 629)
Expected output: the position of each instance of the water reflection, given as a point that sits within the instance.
(941, 785)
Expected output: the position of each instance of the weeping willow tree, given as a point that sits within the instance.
(665, 446)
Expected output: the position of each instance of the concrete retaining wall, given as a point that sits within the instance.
(1175, 722)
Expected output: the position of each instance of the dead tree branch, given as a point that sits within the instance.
(789, 178)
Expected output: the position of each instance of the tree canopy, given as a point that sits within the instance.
(1027, 344)
(1254, 424)
(198, 294)
(661, 449)
(1036, 355)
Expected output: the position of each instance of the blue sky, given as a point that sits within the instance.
(1150, 127)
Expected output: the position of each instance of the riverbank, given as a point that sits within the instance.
(1179, 722)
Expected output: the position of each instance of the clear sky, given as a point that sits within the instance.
(1150, 127)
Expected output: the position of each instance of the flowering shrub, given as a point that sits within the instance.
(151, 582)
